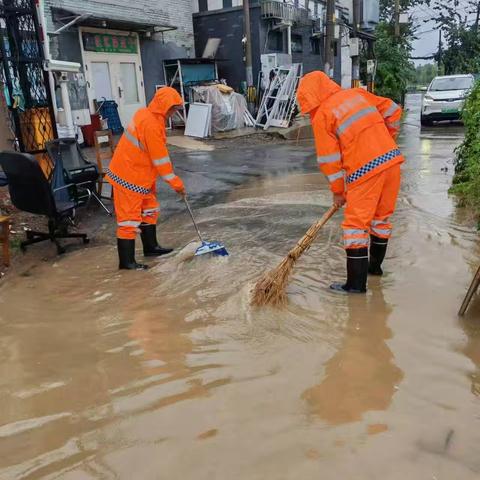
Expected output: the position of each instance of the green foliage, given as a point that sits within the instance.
(394, 70)
(463, 52)
(424, 74)
(466, 183)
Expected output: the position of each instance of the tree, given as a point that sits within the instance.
(387, 8)
(454, 19)
(394, 69)
(424, 74)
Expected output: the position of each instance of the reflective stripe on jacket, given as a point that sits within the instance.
(141, 154)
(354, 130)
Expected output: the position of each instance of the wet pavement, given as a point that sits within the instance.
(169, 374)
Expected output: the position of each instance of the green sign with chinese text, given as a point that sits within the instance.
(108, 43)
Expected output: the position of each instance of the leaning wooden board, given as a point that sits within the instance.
(471, 292)
(4, 239)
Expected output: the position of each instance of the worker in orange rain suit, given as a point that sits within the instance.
(140, 157)
(355, 134)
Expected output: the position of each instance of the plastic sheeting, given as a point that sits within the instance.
(228, 109)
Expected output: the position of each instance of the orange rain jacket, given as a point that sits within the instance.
(141, 154)
(354, 130)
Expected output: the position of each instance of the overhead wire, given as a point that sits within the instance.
(464, 6)
(429, 13)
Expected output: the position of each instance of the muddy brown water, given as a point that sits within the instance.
(170, 375)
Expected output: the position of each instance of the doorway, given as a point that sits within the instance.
(113, 75)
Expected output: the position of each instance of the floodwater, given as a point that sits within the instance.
(169, 374)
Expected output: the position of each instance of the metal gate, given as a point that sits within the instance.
(25, 82)
(279, 100)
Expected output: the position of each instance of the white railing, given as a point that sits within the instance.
(286, 12)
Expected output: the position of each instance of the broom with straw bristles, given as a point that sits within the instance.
(271, 288)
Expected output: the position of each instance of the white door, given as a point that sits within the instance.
(129, 87)
(118, 77)
(101, 80)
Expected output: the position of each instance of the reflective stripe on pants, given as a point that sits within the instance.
(369, 207)
(132, 209)
(381, 227)
(355, 237)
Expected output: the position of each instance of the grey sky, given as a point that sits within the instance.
(427, 42)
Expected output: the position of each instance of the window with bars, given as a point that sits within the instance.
(297, 43)
(275, 41)
(315, 46)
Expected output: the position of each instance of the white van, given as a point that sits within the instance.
(445, 97)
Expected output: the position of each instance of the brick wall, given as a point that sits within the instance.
(178, 43)
(177, 13)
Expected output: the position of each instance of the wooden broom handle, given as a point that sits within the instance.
(305, 242)
(326, 217)
(471, 292)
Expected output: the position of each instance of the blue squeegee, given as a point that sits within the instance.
(216, 248)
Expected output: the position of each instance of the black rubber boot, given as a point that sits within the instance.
(126, 255)
(151, 248)
(378, 249)
(357, 272)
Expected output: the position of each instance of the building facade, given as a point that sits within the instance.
(120, 44)
(294, 27)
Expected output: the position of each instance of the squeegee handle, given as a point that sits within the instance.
(193, 218)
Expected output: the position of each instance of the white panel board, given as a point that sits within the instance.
(199, 120)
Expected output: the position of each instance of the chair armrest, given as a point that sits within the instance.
(84, 183)
(64, 187)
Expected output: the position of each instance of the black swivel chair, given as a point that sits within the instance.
(77, 168)
(31, 192)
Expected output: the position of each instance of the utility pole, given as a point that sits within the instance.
(248, 43)
(397, 19)
(477, 18)
(356, 58)
(439, 51)
(329, 38)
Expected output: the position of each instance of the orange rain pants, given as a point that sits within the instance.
(369, 207)
(133, 209)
